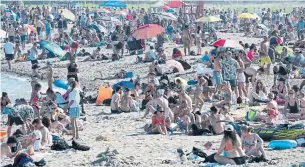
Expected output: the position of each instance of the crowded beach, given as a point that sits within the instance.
(173, 84)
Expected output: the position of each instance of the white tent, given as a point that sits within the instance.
(158, 4)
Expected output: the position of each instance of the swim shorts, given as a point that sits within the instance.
(9, 56)
(248, 78)
(217, 78)
(265, 60)
(16, 120)
(239, 160)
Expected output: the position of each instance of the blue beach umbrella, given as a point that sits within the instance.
(52, 47)
(117, 4)
(125, 84)
(170, 10)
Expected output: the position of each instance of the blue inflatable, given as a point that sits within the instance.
(128, 74)
(192, 82)
(60, 101)
(125, 84)
(61, 84)
(282, 144)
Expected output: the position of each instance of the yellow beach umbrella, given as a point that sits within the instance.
(67, 14)
(246, 16)
(208, 19)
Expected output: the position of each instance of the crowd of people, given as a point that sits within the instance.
(235, 78)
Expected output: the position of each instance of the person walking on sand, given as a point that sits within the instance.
(34, 54)
(263, 54)
(9, 49)
(187, 39)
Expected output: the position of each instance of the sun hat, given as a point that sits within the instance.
(229, 128)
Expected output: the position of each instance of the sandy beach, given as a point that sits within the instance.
(124, 133)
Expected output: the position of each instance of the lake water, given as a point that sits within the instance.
(19, 87)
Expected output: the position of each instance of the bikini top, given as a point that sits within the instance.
(228, 146)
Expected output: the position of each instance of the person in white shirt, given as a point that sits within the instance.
(115, 100)
(9, 52)
(73, 106)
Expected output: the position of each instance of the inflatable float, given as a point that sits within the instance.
(60, 101)
(280, 133)
(103, 94)
(282, 144)
(61, 84)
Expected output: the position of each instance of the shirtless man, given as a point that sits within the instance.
(217, 76)
(187, 39)
(126, 102)
(263, 54)
(6, 148)
(46, 136)
(95, 55)
(251, 73)
(159, 101)
(10, 33)
(216, 121)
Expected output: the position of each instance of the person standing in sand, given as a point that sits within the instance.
(263, 54)
(187, 39)
(9, 48)
(74, 106)
(115, 100)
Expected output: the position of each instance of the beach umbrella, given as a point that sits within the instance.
(125, 84)
(148, 31)
(158, 4)
(279, 50)
(3, 6)
(167, 16)
(67, 14)
(98, 28)
(263, 26)
(246, 16)
(30, 28)
(117, 4)
(52, 47)
(102, 10)
(175, 4)
(164, 7)
(2, 34)
(110, 19)
(208, 19)
(174, 64)
(227, 43)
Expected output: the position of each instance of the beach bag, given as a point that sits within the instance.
(80, 147)
(300, 140)
(60, 145)
(251, 115)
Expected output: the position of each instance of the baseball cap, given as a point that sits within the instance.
(229, 128)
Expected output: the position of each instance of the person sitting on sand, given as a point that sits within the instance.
(215, 122)
(46, 136)
(158, 123)
(177, 54)
(250, 74)
(226, 88)
(162, 102)
(300, 43)
(292, 105)
(115, 100)
(272, 111)
(183, 112)
(252, 143)
(94, 56)
(156, 68)
(58, 119)
(5, 100)
(258, 93)
(11, 148)
(126, 102)
(161, 57)
(231, 143)
(281, 90)
(225, 111)
(150, 55)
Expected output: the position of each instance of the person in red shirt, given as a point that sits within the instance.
(177, 54)
(158, 123)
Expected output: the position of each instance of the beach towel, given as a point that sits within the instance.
(60, 145)
(251, 115)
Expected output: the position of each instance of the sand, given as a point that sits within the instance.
(125, 131)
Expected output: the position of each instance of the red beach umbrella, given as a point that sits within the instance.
(148, 31)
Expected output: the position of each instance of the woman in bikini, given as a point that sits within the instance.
(198, 95)
(35, 99)
(259, 92)
(292, 106)
(272, 111)
(241, 78)
(72, 69)
(281, 89)
(35, 76)
(231, 143)
(252, 143)
(227, 94)
(5, 100)
(126, 102)
(158, 123)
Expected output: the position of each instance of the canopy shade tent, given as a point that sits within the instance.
(112, 3)
(175, 4)
(158, 4)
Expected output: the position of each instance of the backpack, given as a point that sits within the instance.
(60, 145)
